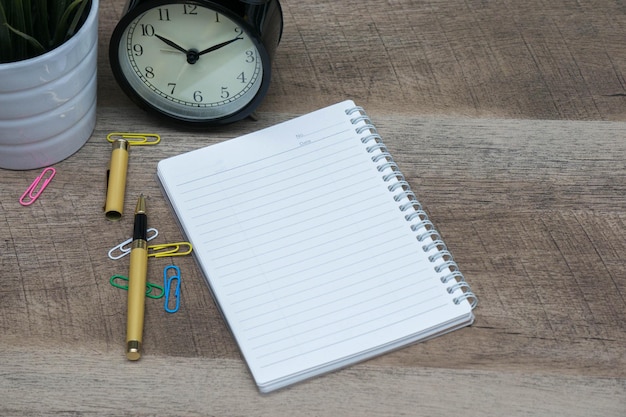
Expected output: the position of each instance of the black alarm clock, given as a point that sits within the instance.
(200, 62)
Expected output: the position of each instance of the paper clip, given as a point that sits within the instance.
(167, 287)
(38, 185)
(135, 139)
(124, 250)
(149, 286)
(169, 249)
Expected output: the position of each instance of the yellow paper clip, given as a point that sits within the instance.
(135, 139)
(169, 249)
(35, 189)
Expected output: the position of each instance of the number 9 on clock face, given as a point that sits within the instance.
(193, 61)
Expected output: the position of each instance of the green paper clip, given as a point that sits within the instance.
(149, 286)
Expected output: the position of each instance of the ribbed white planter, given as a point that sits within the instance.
(48, 103)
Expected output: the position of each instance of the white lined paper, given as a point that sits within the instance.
(307, 254)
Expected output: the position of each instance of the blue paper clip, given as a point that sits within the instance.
(35, 189)
(167, 286)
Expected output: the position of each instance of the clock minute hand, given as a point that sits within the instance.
(218, 46)
(172, 44)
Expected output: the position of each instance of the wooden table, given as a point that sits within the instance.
(508, 119)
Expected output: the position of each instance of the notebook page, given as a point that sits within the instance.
(305, 250)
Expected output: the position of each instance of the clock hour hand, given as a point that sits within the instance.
(219, 45)
(172, 44)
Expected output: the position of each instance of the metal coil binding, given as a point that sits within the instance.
(442, 260)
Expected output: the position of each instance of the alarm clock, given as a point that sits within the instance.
(198, 62)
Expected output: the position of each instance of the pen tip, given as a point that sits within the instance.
(141, 205)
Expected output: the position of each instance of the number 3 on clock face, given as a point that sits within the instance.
(197, 62)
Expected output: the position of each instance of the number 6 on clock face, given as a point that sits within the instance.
(198, 62)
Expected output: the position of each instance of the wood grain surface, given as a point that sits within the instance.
(508, 120)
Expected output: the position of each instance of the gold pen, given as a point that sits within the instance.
(137, 282)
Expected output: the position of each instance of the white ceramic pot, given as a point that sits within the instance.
(48, 103)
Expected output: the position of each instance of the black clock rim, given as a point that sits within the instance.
(244, 112)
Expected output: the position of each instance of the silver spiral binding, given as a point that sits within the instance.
(441, 259)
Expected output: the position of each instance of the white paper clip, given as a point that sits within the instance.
(124, 247)
(35, 189)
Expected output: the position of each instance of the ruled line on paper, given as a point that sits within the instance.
(348, 132)
(301, 241)
(333, 206)
(340, 303)
(302, 271)
(333, 284)
(320, 308)
(330, 304)
(272, 214)
(292, 223)
(336, 342)
(283, 263)
(329, 242)
(347, 320)
(315, 226)
(250, 179)
(278, 198)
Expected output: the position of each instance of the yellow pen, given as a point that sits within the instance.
(137, 282)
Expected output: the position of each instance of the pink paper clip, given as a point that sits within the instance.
(36, 188)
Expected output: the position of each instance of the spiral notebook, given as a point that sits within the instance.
(314, 247)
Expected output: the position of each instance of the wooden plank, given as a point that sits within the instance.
(76, 382)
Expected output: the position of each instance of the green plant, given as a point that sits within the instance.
(31, 27)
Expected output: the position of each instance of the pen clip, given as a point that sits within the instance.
(124, 250)
(35, 189)
(169, 249)
(149, 286)
(167, 288)
(135, 139)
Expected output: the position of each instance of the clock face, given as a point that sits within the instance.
(189, 61)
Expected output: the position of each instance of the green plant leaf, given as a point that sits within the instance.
(5, 37)
(32, 41)
(31, 27)
(77, 16)
(64, 28)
